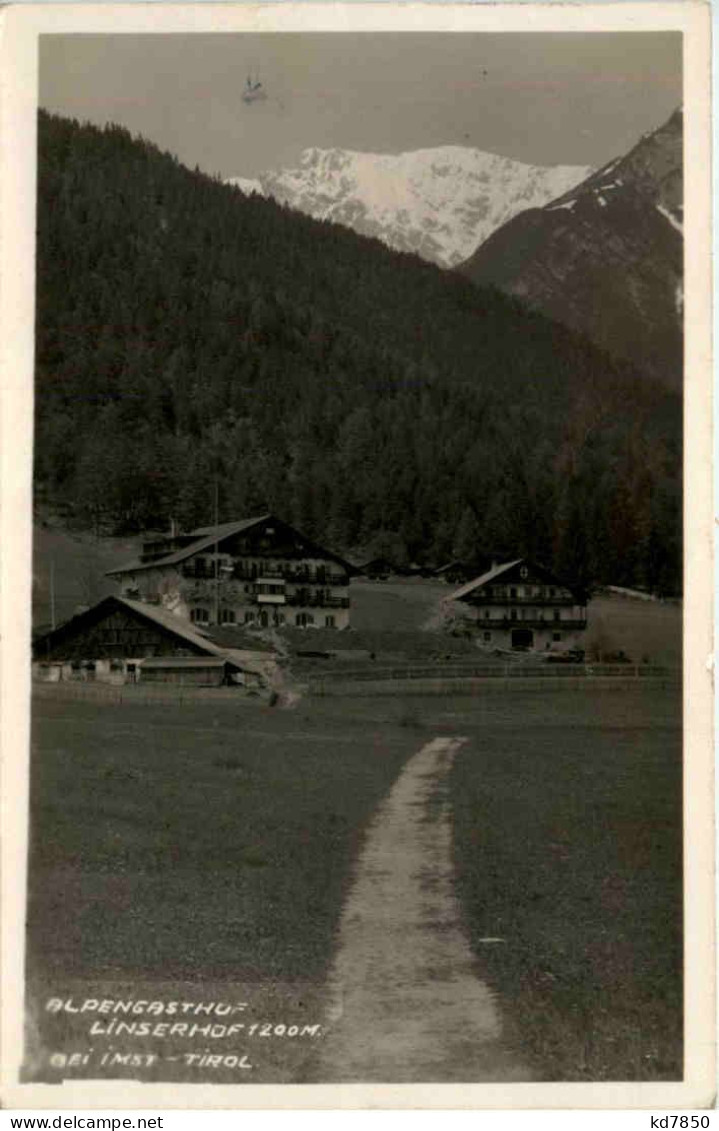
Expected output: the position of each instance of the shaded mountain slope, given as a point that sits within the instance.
(605, 258)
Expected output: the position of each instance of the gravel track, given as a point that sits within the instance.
(405, 1001)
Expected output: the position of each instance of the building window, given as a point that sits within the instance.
(199, 616)
(302, 620)
(524, 572)
(513, 591)
(270, 588)
(227, 616)
(278, 619)
(556, 614)
(486, 614)
(556, 636)
(249, 616)
(329, 621)
(512, 614)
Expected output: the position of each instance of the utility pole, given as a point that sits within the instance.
(217, 553)
(52, 594)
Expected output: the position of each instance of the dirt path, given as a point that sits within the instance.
(405, 1001)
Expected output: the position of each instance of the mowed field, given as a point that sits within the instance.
(568, 852)
(198, 841)
(215, 842)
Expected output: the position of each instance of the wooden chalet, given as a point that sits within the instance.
(523, 606)
(257, 572)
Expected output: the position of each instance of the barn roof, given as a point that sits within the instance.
(161, 617)
(231, 636)
(177, 625)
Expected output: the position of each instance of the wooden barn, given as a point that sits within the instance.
(121, 640)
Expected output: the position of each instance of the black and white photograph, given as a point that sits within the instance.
(364, 725)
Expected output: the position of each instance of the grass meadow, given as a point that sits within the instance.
(568, 848)
(197, 842)
(214, 843)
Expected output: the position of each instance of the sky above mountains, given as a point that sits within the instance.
(544, 98)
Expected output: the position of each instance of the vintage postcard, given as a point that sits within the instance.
(357, 569)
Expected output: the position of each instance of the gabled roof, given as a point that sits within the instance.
(225, 529)
(478, 582)
(546, 575)
(235, 637)
(178, 626)
(455, 564)
(206, 536)
(167, 620)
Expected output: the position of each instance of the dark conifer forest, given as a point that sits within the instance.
(189, 336)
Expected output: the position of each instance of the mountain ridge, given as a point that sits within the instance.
(606, 257)
(439, 203)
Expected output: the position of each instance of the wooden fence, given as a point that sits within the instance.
(380, 680)
(173, 694)
(456, 678)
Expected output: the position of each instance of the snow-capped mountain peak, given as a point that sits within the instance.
(438, 203)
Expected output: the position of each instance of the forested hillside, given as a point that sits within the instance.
(189, 336)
